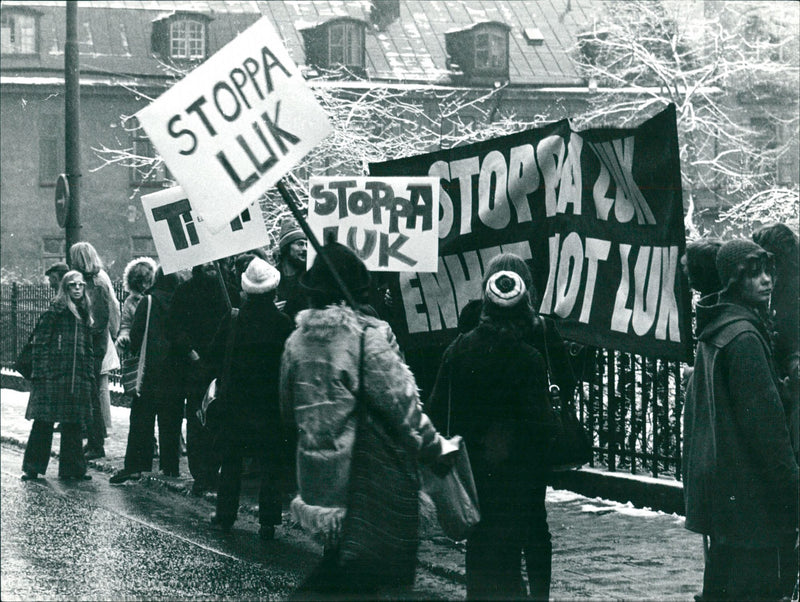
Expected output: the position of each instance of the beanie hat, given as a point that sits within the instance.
(260, 277)
(290, 232)
(350, 268)
(505, 289)
(731, 258)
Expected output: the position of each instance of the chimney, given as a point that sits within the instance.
(383, 13)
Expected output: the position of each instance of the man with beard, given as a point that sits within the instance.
(291, 263)
(198, 306)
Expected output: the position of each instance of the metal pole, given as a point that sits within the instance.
(72, 111)
(288, 196)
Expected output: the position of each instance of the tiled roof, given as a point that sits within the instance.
(114, 36)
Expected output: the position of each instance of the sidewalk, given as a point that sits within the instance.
(602, 550)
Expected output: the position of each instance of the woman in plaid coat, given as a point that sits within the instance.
(62, 380)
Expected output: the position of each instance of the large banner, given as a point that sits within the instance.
(182, 241)
(235, 125)
(598, 215)
(391, 223)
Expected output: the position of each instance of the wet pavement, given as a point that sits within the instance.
(603, 550)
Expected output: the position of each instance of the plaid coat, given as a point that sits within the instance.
(62, 376)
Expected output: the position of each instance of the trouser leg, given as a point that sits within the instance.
(37, 450)
(493, 566)
(790, 561)
(96, 429)
(269, 493)
(230, 484)
(139, 451)
(539, 548)
(170, 417)
(203, 463)
(72, 462)
(733, 573)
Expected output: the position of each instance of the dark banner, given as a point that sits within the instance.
(597, 214)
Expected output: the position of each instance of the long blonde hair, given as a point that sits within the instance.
(63, 298)
(84, 257)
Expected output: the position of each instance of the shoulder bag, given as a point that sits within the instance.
(454, 493)
(571, 446)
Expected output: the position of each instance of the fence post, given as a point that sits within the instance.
(611, 418)
(14, 319)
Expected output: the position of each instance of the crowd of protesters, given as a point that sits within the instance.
(317, 392)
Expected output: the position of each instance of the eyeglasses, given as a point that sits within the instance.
(76, 284)
(756, 264)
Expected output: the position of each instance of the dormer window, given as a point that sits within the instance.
(18, 32)
(336, 43)
(181, 36)
(187, 39)
(479, 52)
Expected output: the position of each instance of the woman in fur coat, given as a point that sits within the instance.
(62, 381)
(360, 432)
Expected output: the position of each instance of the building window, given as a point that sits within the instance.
(17, 33)
(143, 246)
(147, 169)
(478, 53)
(491, 50)
(51, 148)
(338, 43)
(187, 39)
(345, 46)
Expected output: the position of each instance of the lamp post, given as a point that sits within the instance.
(72, 111)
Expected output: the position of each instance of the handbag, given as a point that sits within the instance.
(24, 362)
(571, 446)
(454, 493)
(209, 411)
(133, 365)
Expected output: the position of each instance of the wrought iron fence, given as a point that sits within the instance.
(632, 405)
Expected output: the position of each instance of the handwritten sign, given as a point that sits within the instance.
(182, 241)
(391, 223)
(235, 125)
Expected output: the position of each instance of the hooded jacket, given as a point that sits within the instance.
(319, 385)
(740, 475)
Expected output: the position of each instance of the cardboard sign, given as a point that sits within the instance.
(235, 125)
(390, 223)
(183, 240)
(596, 214)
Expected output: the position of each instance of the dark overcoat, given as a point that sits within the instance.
(62, 377)
(740, 473)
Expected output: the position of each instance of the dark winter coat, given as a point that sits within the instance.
(495, 384)
(161, 363)
(740, 475)
(251, 407)
(63, 377)
(197, 308)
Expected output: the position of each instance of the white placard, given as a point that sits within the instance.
(235, 125)
(391, 223)
(183, 240)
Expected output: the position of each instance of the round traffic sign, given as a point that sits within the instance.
(62, 200)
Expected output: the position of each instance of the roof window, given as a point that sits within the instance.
(181, 36)
(335, 44)
(479, 52)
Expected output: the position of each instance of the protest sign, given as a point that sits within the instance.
(597, 214)
(236, 124)
(390, 223)
(182, 241)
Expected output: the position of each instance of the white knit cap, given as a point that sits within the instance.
(505, 289)
(260, 277)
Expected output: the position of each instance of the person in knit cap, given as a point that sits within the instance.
(740, 472)
(492, 390)
(251, 425)
(291, 262)
(361, 432)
